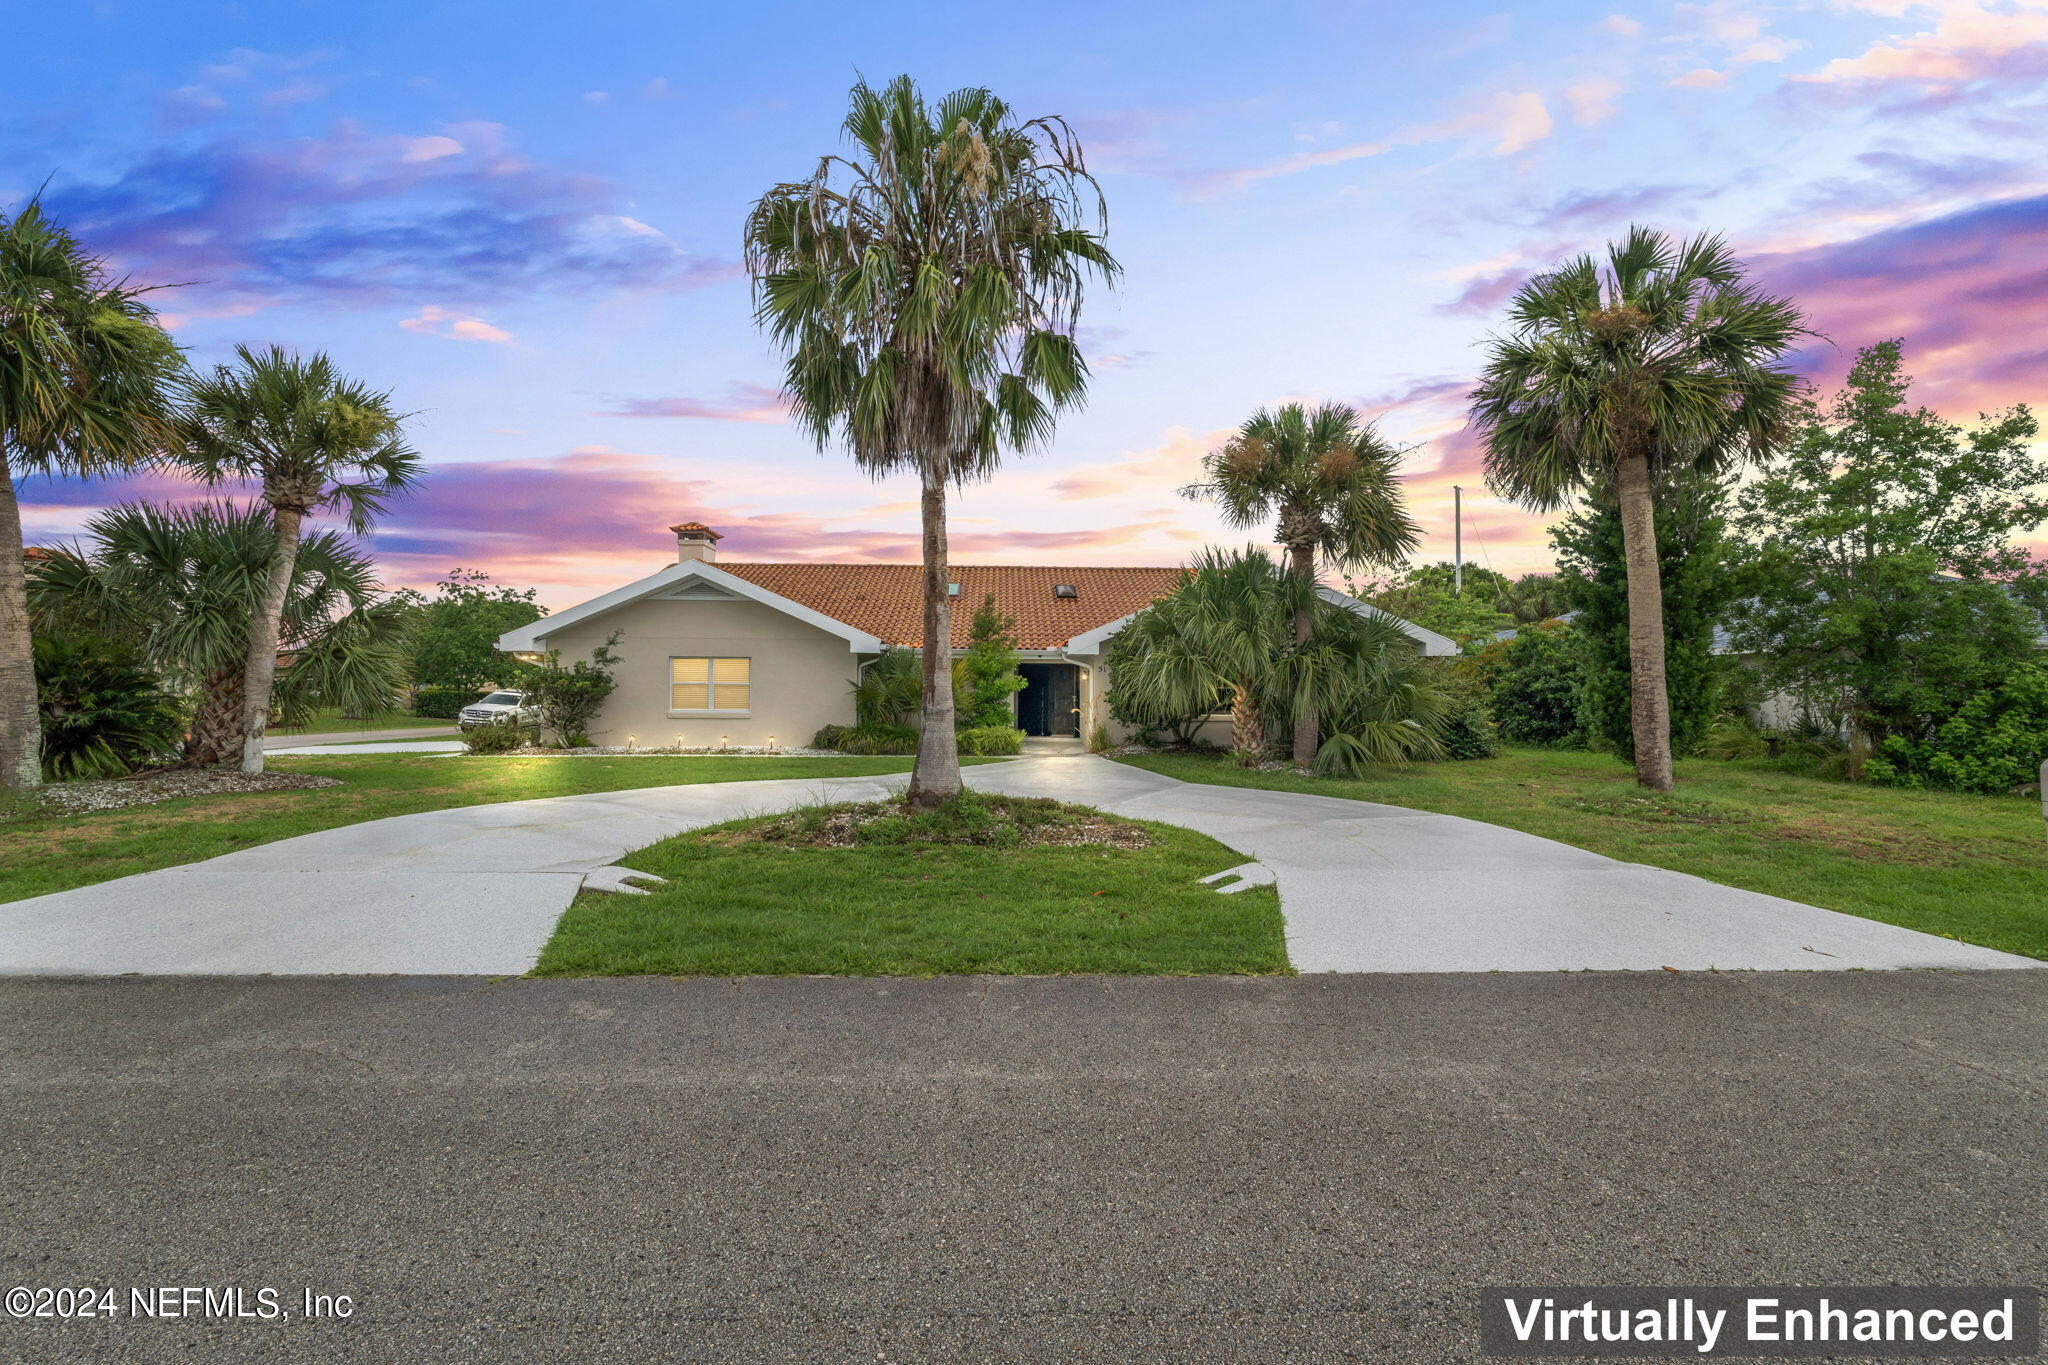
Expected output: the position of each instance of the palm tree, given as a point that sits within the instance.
(925, 290)
(87, 386)
(180, 584)
(1226, 634)
(1533, 598)
(1665, 359)
(1327, 479)
(315, 439)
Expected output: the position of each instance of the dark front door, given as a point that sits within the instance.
(1047, 705)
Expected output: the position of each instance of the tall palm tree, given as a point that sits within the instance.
(1666, 358)
(1327, 480)
(314, 438)
(180, 584)
(87, 386)
(925, 289)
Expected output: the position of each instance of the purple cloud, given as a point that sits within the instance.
(349, 217)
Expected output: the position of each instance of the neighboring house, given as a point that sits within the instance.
(716, 652)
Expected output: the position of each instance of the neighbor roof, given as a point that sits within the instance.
(887, 600)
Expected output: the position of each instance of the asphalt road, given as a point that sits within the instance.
(1011, 1169)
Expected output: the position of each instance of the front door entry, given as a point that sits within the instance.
(1050, 701)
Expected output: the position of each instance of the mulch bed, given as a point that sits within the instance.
(985, 821)
(165, 784)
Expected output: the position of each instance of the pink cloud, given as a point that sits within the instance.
(1967, 291)
(742, 403)
(434, 320)
(1969, 43)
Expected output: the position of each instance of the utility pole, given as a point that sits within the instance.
(1457, 539)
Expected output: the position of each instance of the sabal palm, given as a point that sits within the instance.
(1327, 481)
(313, 438)
(1227, 633)
(181, 583)
(925, 289)
(1663, 358)
(88, 386)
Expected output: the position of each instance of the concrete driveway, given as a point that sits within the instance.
(1364, 888)
(982, 1169)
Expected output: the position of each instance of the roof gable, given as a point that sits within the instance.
(887, 600)
(873, 605)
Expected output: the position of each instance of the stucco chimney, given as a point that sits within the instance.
(695, 540)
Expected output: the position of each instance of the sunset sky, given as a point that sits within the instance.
(524, 221)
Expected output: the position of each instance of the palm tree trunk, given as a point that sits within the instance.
(21, 731)
(1247, 726)
(935, 777)
(1302, 564)
(259, 670)
(1649, 699)
(217, 719)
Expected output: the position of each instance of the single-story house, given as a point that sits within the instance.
(713, 652)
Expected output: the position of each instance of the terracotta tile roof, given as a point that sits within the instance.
(887, 600)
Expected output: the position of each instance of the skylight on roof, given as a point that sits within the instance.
(1065, 590)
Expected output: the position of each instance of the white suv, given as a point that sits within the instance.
(496, 707)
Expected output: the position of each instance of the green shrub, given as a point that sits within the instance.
(500, 736)
(872, 739)
(828, 736)
(1995, 743)
(1535, 686)
(1735, 737)
(567, 700)
(444, 703)
(991, 741)
(1465, 727)
(103, 714)
(889, 690)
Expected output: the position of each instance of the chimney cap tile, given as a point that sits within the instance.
(703, 532)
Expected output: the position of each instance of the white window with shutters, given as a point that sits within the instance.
(710, 687)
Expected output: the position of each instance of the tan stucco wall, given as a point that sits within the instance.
(802, 675)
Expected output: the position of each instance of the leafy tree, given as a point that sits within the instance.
(1697, 588)
(1328, 482)
(987, 672)
(1881, 562)
(568, 698)
(1427, 595)
(1226, 631)
(183, 581)
(103, 713)
(453, 640)
(87, 387)
(313, 438)
(1664, 359)
(926, 289)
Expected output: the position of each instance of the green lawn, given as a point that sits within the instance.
(328, 721)
(53, 853)
(765, 909)
(1973, 868)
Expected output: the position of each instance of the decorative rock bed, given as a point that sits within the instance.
(168, 784)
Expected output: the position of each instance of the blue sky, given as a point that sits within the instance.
(524, 220)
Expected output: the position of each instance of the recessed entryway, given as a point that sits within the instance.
(1050, 703)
